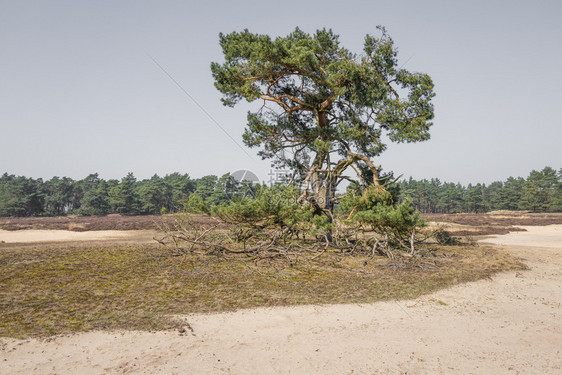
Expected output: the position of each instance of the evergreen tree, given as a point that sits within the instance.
(154, 194)
(493, 196)
(21, 196)
(95, 200)
(474, 198)
(540, 191)
(123, 198)
(330, 108)
(181, 187)
(511, 193)
(59, 196)
(557, 200)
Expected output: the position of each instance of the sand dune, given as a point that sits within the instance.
(510, 324)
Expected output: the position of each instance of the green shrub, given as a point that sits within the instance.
(275, 207)
(196, 205)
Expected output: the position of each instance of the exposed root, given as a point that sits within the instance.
(188, 235)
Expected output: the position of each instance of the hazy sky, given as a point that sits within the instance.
(79, 93)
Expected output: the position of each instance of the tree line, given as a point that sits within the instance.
(22, 196)
(541, 191)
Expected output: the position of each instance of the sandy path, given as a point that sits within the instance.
(510, 324)
(37, 235)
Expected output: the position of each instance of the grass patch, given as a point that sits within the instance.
(54, 289)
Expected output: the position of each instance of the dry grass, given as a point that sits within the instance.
(498, 222)
(85, 223)
(54, 289)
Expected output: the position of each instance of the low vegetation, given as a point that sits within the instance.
(279, 221)
(49, 289)
(55, 289)
(84, 223)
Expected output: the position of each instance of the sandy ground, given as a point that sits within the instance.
(510, 324)
(34, 236)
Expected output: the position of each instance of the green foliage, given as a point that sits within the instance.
(123, 197)
(153, 195)
(209, 190)
(540, 192)
(272, 204)
(20, 196)
(169, 193)
(511, 193)
(95, 200)
(196, 205)
(327, 103)
(474, 198)
(399, 220)
(373, 208)
(396, 222)
(254, 63)
(358, 198)
(178, 188)
(59, 194)
(276, 206)
(557, 198)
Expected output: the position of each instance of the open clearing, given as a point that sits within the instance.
(508, 324)
(39, 236)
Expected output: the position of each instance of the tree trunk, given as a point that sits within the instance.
(324, 191)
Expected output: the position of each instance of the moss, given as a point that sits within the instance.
(47, 290)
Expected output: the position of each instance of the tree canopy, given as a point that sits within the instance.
(325, 109)
(541, 191)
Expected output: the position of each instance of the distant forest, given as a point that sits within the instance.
(541, 191)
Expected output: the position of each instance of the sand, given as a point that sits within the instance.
(36, 235)
(509, 324)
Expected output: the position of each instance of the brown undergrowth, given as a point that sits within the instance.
(499, 222)
(85, 223)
